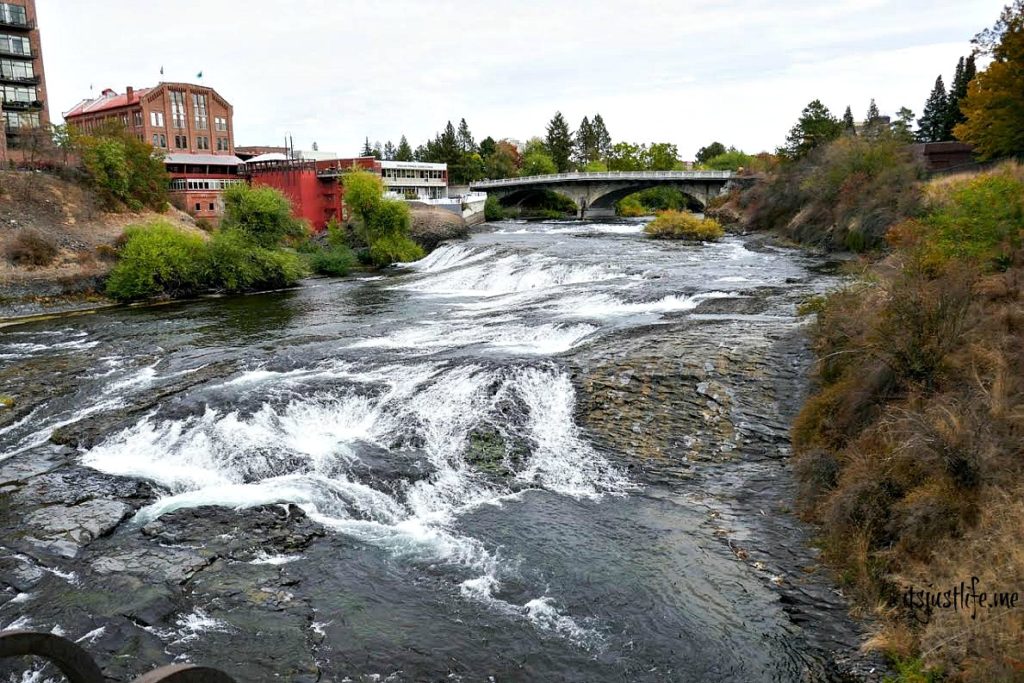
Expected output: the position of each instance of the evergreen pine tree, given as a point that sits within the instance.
(817, 126)
(584, 148)
(559, 142)
(848, 123)
(965, 73)
(378, 151)
(389, 151)
(367, 150)
(602, 140)
(931, 125)
(903, 126)
(873, 114)
(488, 146)
(404, 151)
(465, 139)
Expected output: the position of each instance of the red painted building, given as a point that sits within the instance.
(314, 187)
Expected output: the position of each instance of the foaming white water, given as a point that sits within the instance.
(606, 305)
(543, 339)
(448, 256)
(306, 452)
(508, 274)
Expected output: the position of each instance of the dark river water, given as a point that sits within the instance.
(477, 523)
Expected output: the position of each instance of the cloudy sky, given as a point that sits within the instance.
(682, 71)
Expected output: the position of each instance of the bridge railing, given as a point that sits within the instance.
(605, 175)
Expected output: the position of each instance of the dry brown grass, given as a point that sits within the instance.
(31, 248)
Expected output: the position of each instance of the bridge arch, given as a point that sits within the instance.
(609, 199)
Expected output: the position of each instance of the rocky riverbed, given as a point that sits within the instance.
(556, 452)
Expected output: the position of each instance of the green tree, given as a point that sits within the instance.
(378, 151)
(816, 126)
(903, 126)
(585, 146)
(385, 222)
(123, 170)
(731, 160)
(849, 125)
(559, 143)
(537, 162)
(994, 106)
(625, 156)
(661, 156)
(873, 113)
(487, 147)
(965, 73)
(404, 151)
(262, 214)
(367, 149)
(465, 139)
(932, 124)
(389, 151)
(602, 139)
(713, 150)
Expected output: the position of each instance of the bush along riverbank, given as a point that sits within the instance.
(910, 451)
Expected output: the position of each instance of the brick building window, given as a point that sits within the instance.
(222, 145)
(178, 108)
(15, 45)
(160, 140)
(13, 14)
(199, 109)
(181, 141)
(220, 123)
(156, 119)
(15, 120)
(16, 70)
(19, 93)
(199, 207)
(137, 119)
(202, 142)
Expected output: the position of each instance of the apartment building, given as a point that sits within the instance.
(191, 124)
(21, 74)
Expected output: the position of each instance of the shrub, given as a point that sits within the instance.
(630, 207)
(159, 259)
(238, 265)
(364, 191)
(493, 210)
(263, 214)
(394, 248)
(337, 261)
(682, 225)
(31, 248)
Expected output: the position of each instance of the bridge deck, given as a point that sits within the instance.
(559, 178)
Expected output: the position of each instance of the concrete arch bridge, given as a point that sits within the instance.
(595, 194)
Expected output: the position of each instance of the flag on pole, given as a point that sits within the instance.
(161, 71)
(199, 75)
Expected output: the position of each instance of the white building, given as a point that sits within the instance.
(415, 179)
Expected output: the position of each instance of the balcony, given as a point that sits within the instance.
(17, 24)
(35, 105)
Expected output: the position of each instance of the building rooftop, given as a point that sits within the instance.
(108, 100)
(204, 159)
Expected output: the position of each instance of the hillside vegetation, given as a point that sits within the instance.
(910, 453)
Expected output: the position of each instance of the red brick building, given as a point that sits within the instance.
(192, 124)
(21, 74)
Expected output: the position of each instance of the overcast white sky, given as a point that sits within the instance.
(682, 71)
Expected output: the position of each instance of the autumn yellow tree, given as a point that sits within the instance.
(994, 106)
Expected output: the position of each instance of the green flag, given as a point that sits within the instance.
(199, 75)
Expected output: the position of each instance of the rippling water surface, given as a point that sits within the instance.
(429, 417)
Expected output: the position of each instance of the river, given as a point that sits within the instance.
(556, 451)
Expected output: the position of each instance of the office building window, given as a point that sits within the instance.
(156, 119)
(15, 70)
(178, 108)
(13, 14)
(181, 141)
(220, 123)
(15, 45)
(202, 142)
(199, 110)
